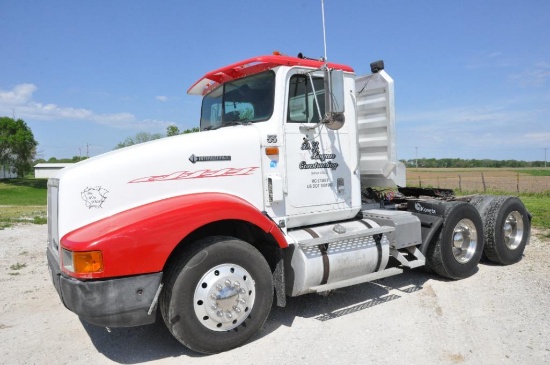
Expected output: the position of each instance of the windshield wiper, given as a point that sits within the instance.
(235, 122)
(227, 124)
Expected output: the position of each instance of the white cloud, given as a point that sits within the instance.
(19, 101)
(501, 130)
(456, 116)
(538, 137)
(489, 59)
(20, 94)
(161, 98)
(536, 76)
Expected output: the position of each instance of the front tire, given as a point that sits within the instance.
(456, 251)
(218, 295)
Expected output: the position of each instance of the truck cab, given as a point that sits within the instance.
(310, 171)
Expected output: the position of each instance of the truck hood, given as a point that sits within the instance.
(226, 160)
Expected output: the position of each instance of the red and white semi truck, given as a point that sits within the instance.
(275, 197)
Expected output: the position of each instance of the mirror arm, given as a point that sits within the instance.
(321, 120)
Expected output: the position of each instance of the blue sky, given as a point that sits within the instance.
(472, 77)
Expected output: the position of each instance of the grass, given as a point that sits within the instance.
(10, 215)
(22, 201)
(539, 207)
(23, 192)
(535, 172)
(17, 266)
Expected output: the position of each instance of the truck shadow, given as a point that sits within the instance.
(153, 342)
(348, 300)
(134, 345)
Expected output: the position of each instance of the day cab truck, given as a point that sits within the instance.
(292, 186)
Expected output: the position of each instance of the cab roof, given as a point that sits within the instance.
(253, 66)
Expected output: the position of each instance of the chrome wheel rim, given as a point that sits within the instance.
(224, 297)
(512, 230)
(464, 241)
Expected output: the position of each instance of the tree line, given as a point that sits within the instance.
(141, 137)
(468, 163)
(74, 159)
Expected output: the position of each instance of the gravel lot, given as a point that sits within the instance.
(498, 316)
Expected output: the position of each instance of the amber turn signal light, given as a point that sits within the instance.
(270, 151)
(86, 262)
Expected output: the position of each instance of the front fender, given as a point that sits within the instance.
(140, 240)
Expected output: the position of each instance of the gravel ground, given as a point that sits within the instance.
(498, 316)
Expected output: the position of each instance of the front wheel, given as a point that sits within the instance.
(218, 295)
(456, 251)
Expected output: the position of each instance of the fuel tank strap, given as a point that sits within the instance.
(377, 239)
(323, 248)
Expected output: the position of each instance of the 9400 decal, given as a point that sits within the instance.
(199, 174)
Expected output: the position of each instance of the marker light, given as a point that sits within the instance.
(86, 262)
(270, 151)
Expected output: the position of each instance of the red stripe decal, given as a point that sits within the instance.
(183, 175)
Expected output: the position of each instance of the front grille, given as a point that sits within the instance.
(53, 227)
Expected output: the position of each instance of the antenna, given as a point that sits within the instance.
(324, 32)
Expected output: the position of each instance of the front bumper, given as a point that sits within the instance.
(117, 302)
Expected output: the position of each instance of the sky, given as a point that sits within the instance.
(472, 78)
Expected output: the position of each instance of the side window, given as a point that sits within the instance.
(302, 107)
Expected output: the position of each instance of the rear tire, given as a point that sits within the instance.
(455, 252)
(507, 228)
(218, 295)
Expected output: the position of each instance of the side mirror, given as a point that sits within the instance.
(334, 99)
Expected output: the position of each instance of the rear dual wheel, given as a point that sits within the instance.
(507, 227)
(218, 295)
(455, 252)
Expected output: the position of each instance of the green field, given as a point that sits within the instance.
(23, 191)
(535, 172)
(539, 207)
(24, 200)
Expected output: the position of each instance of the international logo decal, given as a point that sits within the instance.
(195, 159)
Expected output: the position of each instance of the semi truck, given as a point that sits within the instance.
(292, 186)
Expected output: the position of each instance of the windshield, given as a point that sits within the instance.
(243, 101)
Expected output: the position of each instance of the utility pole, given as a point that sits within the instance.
(416, 157)
(545, 157)
(87, 150)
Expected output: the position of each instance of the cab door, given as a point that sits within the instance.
(318, 175)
